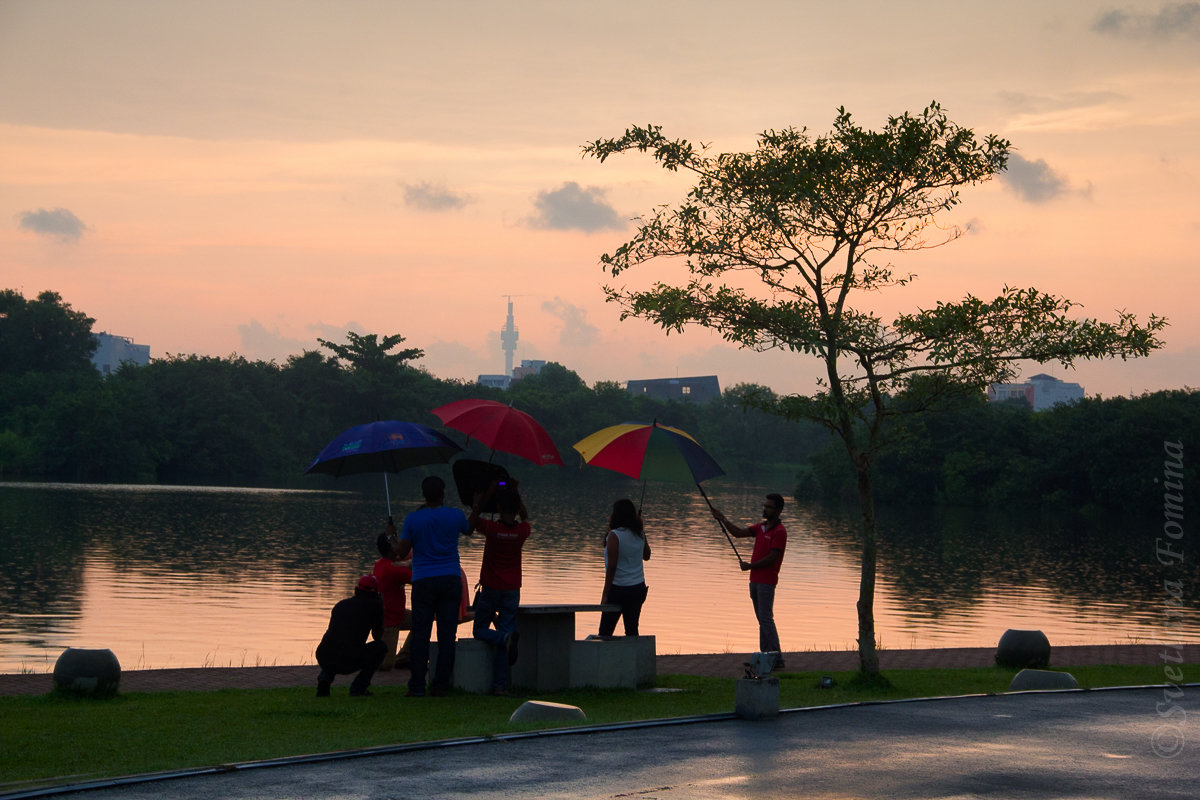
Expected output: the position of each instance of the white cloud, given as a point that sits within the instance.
(576, 330)
(574, 207)
(1034, 181)
(57, 223)
(431, 197)
(1172, 21)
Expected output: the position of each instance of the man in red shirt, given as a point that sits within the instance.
(392, 576)
(500, 577)
(770, 540)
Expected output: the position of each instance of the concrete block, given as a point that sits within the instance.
(544, 711)
(94, 672)
(1040, 679)
(1023, 649)
(647, 660)
(472, 665)
(605, 663)
(757, 698)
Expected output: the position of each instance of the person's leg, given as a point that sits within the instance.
(370, 655)
(506, 626)
(391, 635)
(763, 596)
(631, 607)
(449, 597)
(486, 609)
(424, 605)
(405, 652)
(608, 619)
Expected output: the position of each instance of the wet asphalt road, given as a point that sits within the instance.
(1099, 744)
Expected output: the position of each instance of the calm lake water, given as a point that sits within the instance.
(185, 577)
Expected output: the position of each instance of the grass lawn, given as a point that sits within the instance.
(56, 738)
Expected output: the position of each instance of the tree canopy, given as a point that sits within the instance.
(814, 219)
(44, 334)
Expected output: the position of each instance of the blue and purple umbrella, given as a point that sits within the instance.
(389, 446)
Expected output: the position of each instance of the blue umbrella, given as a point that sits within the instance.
(385, 447)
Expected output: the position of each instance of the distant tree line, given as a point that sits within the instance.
(231, 421)
(1104, 454)
(189, 419)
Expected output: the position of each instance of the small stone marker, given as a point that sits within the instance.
(1028, 680)
(545, 711)
(757, 698)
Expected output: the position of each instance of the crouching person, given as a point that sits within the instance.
(344, 648)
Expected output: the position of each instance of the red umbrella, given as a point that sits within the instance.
(501, 427)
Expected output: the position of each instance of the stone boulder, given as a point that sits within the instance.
(1020, 649)
(1032, 680)
(545, 711)
(91, 672)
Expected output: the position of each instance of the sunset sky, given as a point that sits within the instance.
(245, 176)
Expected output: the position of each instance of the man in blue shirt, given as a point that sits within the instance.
(431, 534)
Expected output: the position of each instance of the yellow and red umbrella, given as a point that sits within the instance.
(649, 452)
(652, 452)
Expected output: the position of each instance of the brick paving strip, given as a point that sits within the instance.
(721, 665)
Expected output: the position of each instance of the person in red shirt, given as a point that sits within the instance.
(770, 540)
(393, 575)
(500, 576)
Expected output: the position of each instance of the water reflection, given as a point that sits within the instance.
(188, 577)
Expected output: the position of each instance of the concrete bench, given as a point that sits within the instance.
(624, 662)
(472, 665)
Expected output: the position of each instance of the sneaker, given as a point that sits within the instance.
(322, 689)
(361, 693)
(414, 693)
(510, 643)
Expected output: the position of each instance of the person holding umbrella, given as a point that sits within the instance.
(500, 575)
(770, 540)
(625, 548)
(431, 534)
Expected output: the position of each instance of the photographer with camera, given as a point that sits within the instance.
(500, 574)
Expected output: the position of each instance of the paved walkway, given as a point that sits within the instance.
(712, 664)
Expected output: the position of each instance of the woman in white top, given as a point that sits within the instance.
(625, 548)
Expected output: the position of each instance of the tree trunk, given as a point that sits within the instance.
(868, 657)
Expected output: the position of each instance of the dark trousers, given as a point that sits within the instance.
(630, 599)
(434, 599)
(363, 659)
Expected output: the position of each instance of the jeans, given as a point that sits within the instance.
(500, 605)
(630, 599)
(436, 598)
(762, 595)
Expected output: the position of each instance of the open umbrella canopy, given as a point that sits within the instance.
(501, 427)
(388, 446)
(649, 452)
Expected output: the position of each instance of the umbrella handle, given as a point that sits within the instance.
(727, 536)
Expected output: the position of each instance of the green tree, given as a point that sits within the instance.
(814, 219)
(369, 353)
(43, 335)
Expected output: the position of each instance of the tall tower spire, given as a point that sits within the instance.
(508, 339)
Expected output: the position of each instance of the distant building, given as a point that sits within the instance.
(528, 367)
(693, 390)
(1040, 392)
(113, 351)
(494, 381)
